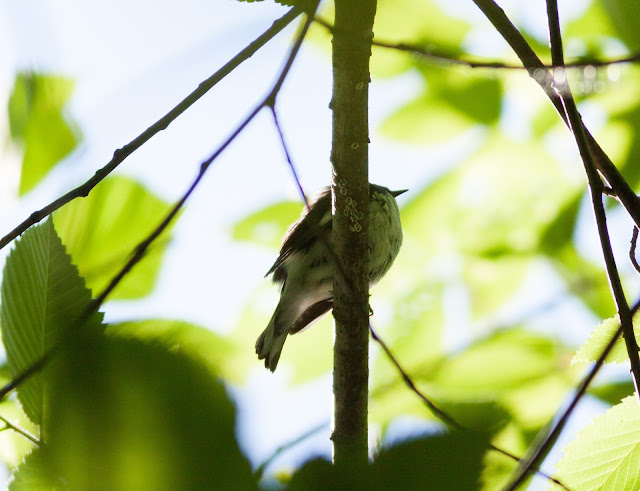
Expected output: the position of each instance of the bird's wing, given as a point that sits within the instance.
(302, 234)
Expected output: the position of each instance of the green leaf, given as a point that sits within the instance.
(32, 474)
(449, 461)
(612, 392)
(135, 415)
(210, 348)
(13, 445)
(102, 230)
(584, 279)
(423, 22)
(472, 211)
(454, 101)
(42, 298)
(530, 390)
(605, 454)
(591, 350)
(37, 121)
(625, 18)
(268, 226)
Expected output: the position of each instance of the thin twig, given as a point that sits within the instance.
(632, 249)
(498, 65)
(259, 472)
(9, 425)
(537, 455)
(142, 247)
(443, 415)
(288, 155)
(543, 77)
(122, 153)
(596, 186)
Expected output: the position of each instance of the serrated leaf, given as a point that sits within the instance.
(101, 231)
(591, 350)
(605, 454)
(42, 297)
(268, 226)
(32, 474)
(37, 120)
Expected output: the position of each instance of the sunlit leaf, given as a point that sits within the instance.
(472, 209)
(13, 445)
(32, 474)
(268, 226)
(600, 337)
(130, 414)
(42, 297)
(101, 231)
(212, 349)
(37, 121)
(453, 102)
(605, 454)
(422, 22)
(530, 389)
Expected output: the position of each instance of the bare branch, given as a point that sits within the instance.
(443, 416)
(632, 249)
(441, 56)
(122, 153)
(143, 246)
(544, 78)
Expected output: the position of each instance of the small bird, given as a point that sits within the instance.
(306, 272)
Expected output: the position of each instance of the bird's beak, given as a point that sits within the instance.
(398, 193)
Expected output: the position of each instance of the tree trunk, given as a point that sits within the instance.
(349, 156)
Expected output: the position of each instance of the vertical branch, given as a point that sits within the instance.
(597, 188)
(541, 75)
(350, 189)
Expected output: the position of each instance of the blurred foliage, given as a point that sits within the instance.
(38, 123)
(129, 414)
(101, 231)
(477, 235)
(450, 461)
(490, 256)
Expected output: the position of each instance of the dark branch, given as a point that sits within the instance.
(441, 56)
(122, 153)
(443, 416)
(142, 247)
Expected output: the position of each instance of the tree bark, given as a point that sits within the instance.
(350, 187)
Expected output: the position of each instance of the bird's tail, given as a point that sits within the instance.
(270, 342)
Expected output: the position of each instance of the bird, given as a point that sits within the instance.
(305, 271)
